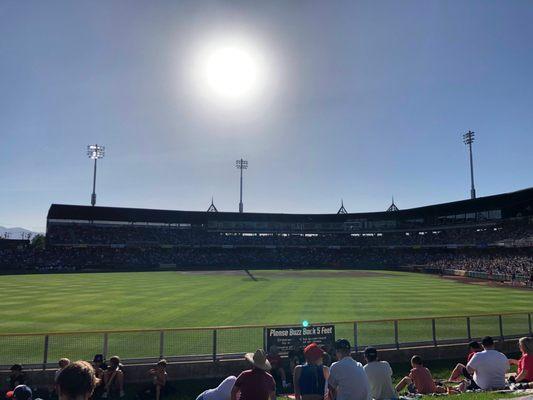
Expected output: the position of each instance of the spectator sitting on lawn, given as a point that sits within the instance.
(99, 365)
(62, 364)
(347, 378)
(419, 379)
(221, 392)
(488, 368)
(16, 377)
(329, 355)
(76, 381)
(159, 378)
(379, 375)
(277, 365)
(310, 379)
(114, 379)
(460, 369)
(525, 364)
(256, 383)
(296, 355)
(21, 392)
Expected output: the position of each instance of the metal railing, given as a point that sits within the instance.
(227, 342)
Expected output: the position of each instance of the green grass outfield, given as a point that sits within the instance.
(145, 300)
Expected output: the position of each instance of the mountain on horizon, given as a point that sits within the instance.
(16, 233)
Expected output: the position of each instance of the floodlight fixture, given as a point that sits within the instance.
(95, 152)
(468, 139)
(241, 165)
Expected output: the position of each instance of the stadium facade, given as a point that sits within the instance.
(482, 212)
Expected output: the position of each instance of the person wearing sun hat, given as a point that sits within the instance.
(255, 383)
(310, 379)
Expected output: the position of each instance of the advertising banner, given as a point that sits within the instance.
(286, 338)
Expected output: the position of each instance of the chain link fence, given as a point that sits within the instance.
(193, 344)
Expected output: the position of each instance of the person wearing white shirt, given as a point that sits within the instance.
(379, 375)
(222, 392)
(347, 378)
(488, 367)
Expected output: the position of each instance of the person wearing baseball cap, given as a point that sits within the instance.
(347, 378)
(255, 383)
(310, 378)
(21, 392)
(379, 375)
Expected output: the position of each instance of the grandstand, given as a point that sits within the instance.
(473, 232)
(449, 223)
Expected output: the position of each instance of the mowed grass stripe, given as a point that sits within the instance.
(173, 299)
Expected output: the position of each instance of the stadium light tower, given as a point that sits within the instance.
(241, 164)
(95, 152)
(468, 139)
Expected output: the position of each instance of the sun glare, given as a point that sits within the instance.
(230, 72)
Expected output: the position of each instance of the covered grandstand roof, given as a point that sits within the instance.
(510, 203)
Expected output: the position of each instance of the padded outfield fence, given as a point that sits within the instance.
(217, 343)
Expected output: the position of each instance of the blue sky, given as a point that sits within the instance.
(367, 99)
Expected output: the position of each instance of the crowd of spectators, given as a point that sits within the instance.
(73, 247)
(517, 264)
(316, 375)
(139, 235)
(82, 380)
(492, 261)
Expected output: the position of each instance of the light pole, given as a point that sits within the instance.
(95, 152)
(468, 139)
(241, 164)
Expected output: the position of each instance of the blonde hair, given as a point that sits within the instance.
(64, 362)
(526, 343)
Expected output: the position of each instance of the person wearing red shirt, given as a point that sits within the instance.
(256, 383)
(525, 364)
(419, 379)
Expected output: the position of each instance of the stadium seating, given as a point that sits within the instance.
(492, 234)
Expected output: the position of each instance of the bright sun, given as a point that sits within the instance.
(231, 71)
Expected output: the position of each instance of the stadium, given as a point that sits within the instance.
(145, 292)
(252, 240)
(189, 285)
